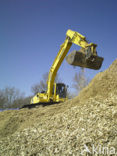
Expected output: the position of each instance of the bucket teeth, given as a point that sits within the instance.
(77, 58)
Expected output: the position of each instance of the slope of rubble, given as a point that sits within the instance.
(85, 125)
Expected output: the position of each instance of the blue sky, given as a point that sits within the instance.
(31, 32)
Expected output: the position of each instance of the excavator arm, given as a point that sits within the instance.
(87, 50)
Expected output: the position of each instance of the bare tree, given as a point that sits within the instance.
(21, 101)
(9, 96)
(42, 85)
(80, 80)
(2, 99)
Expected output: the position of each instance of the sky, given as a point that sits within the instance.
(31, 32)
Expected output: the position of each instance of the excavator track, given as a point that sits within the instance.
(30, 106)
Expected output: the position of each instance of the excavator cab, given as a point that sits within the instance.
(61, 90)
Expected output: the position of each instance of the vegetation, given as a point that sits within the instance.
(80, 80)
(42, 85)
(10, 97)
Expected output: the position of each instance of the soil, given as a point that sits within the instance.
(89, 120)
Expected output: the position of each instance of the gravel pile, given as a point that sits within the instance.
(86, 125)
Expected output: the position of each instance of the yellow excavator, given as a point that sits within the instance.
(86, 57)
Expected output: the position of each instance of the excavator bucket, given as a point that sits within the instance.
(77, 58)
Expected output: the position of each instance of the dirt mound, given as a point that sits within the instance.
(85, 125)
(103, 85)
